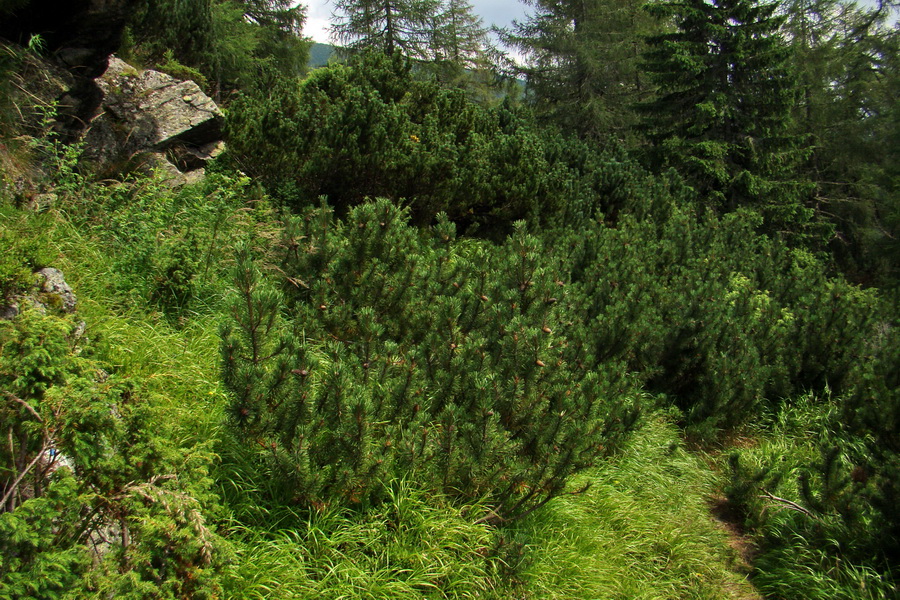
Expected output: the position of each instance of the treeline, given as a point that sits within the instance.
(788, 107)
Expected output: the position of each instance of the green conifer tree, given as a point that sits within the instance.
(582, 59)
(724, 105)
(388, 26)
(181, 26)
(847, 65)
(234, 43)
(458, 37)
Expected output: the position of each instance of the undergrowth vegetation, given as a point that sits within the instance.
(232, 540)
(519, 384)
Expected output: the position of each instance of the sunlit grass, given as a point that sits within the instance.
(176, 359)
(416, 545)
(642, 531)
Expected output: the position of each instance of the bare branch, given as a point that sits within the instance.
(33, 462)
(26, 405)
(788, 504)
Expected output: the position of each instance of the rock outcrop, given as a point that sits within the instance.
(129, 119)
(145, 120)
(150, 119)
(53, 285)
(51, 293)
(80, 35)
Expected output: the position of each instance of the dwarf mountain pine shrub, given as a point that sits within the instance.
(393, 350)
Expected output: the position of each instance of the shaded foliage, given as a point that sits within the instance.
(723, 108)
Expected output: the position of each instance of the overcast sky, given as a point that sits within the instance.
(492, 12)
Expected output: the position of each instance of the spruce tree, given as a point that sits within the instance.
(723, 110)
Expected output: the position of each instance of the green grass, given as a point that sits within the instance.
(177, 359)
(416, 545)
(810, 556)
(642, 530)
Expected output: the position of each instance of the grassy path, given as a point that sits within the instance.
(645, 529)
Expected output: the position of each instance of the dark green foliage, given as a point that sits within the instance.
(724, 321)
(401, 354)
(581, 66)
(872, 413)
(256, 41)
(182, 27)
(837, 473)
(20, 256)
(233, 43)
(721, 117)
(361, 353)
(848, 65)
(371, 130)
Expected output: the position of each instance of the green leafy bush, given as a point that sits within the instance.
(167, 246)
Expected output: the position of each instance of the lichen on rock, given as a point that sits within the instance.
(154, 118)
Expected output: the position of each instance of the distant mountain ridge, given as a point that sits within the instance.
(320, 54)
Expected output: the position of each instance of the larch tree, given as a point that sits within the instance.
(847, 67)
(582, 62)
(386, 25)
(459, 37)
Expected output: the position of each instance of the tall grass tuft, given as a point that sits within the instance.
(805, 551)
(416, 545)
